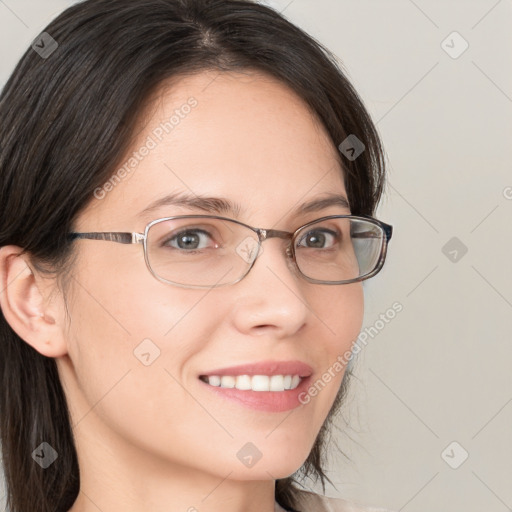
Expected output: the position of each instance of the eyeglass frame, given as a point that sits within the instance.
(263, 234)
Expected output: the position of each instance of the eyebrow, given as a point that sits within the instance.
(223, 206)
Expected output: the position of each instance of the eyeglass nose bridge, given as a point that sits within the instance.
(265, 234)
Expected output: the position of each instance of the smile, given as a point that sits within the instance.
(254, 382)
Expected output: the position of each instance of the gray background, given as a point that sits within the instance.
(439, 371)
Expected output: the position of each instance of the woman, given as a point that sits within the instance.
(183, 247)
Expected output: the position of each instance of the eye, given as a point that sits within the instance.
(189, 239)
(318, 238)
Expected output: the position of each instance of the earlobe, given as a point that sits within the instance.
(22, 303)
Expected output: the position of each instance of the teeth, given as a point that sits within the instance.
(214, 380)
(254, 383)
(226, 381)
(242, 382)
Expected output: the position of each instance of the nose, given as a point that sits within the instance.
(271, 297)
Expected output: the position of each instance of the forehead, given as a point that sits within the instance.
(242, 136)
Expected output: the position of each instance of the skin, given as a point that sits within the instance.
(152, 437)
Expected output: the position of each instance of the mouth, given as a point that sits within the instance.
(271, 386)
(254, 382)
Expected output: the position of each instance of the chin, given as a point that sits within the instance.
(276, 464)
(266, 471)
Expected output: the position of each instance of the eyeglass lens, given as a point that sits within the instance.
(209, 251)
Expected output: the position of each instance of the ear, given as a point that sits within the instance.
(23, 295)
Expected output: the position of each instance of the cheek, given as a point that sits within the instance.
(121, 324)
(338, 312)
(119, 301)
(129, 344)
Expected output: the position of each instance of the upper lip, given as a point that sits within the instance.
(266, 368)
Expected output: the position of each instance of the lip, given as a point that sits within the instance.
(267, 401)
(270, 368)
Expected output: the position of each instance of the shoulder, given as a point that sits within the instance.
(313, 502)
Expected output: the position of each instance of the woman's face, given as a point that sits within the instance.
(137, 346)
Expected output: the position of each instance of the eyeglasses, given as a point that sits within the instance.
(204, 251)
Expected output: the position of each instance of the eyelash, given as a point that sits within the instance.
(209, 235)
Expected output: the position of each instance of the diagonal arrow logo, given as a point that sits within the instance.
(44, 45)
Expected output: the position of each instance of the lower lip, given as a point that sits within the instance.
(269, 401)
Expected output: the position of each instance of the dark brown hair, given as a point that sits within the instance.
(68, 119)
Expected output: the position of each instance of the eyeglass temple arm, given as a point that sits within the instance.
(137, 238)
(122, 238)
(388, 231)
(270, 233)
